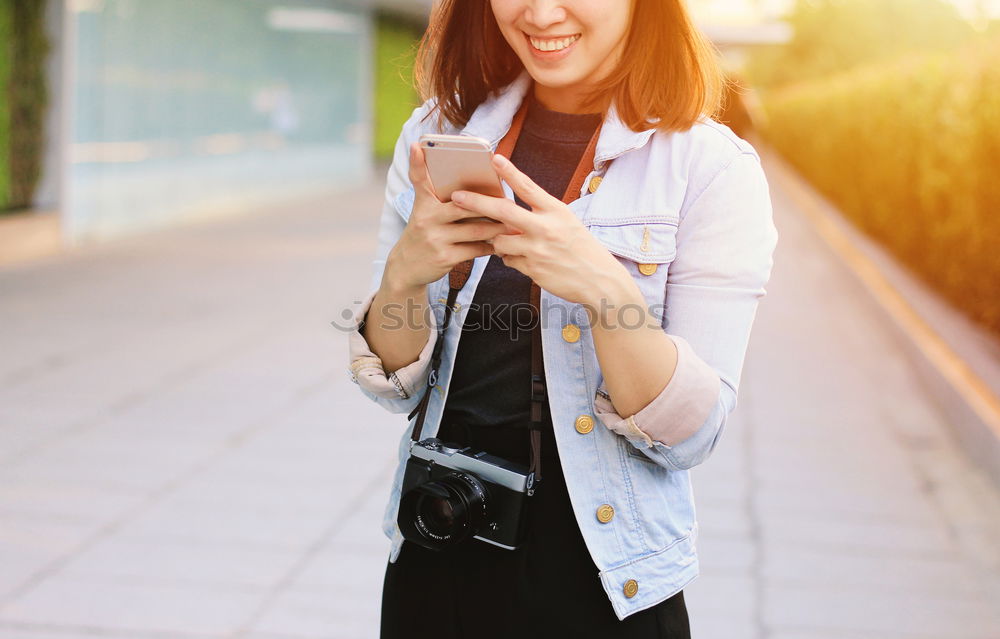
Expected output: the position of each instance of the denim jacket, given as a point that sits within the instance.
(689, 215)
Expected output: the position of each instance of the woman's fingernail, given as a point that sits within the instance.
(499, 159)
(458, 196)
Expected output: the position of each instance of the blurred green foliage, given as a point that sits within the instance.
(830, 36)
(908, 150)
(395, 95)
(27, 98)
(6, 51)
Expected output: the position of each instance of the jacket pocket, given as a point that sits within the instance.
(645, 249)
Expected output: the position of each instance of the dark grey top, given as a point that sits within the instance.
(490, 385)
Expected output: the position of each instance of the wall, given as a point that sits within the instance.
(190, 109)
(47, 192)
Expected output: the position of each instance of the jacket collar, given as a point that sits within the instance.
(492, 119)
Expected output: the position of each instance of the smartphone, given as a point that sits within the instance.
(460, 163)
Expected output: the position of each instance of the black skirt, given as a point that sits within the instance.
(547, 587)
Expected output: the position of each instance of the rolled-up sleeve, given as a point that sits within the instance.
(725, 244)
(400, 390)
(367, 370)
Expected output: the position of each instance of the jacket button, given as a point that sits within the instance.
(594, 183)
(648, 269)
(571, 333)
(584, 424)
(604, 513)
(631, 587)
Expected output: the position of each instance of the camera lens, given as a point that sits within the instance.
(429, 143)
(448, 510)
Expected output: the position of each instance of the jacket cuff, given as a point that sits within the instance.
(366, 367)
(677, 412)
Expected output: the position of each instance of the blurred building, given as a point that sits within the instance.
(167, 110)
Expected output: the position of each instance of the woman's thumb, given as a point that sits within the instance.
(417, 169)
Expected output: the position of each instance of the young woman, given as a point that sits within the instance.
(647, 229)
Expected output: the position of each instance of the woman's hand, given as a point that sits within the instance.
(435, 238)
(552, 247)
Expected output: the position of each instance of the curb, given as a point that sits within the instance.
(970, 404)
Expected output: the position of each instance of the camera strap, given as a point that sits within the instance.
(459, 275)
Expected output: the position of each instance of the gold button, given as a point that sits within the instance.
(604, 513)
(594, 183)
(648, 269)
(584, 424)
(631, 587)
(571, 333)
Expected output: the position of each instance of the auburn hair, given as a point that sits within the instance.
(669, 74)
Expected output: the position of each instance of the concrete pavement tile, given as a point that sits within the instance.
(730, 596)
(200, 564)
(830, 473)
(121, 465)
(808, 498)
(782, 463)
(812, 633)
(730, 520)
(361, 530)
(278, 466)
(726, 555)
(136, 606)
(344, 566)
(29, 545)
(967, 498)
(830, 533)
(213, 521)
(22, 431)
(64, 501)
(252, 492)
(32, 631)
(877, 610)
(18, 569)
(926, 577)
(719, 626)
(720, 486)
(323, 613)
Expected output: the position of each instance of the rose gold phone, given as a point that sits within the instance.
(459, 163)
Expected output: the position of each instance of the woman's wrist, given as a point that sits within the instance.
(615, 299)
(394, 287)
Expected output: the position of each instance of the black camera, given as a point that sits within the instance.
(452, 492)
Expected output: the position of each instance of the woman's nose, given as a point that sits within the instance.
(543, 13)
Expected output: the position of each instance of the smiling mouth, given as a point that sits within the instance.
(551, 44)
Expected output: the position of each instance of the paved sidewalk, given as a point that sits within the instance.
(182, 453)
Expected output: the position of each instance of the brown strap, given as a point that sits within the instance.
(459, 275)
(538, 395)
(506, 145)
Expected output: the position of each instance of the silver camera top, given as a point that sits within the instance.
(489, 467)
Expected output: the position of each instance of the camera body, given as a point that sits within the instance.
(451, 492)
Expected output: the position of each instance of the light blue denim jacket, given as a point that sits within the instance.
(696, 205)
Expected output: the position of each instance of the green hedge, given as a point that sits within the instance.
(395, 96)
(6, 53)
(29, 100)
(25, 99)
(909, 152)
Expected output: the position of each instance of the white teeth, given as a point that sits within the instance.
(553, 45)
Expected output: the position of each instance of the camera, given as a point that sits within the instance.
(453, 492)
